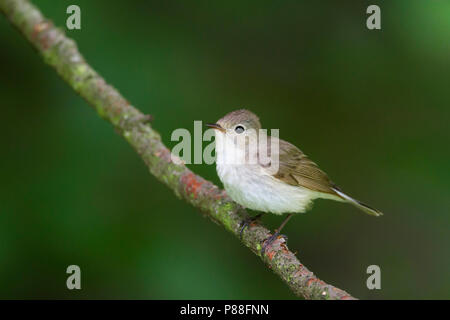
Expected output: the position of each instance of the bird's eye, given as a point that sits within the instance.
(239, 129)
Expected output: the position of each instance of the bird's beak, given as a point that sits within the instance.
(215, 126)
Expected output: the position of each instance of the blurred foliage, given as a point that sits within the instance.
(370, 107)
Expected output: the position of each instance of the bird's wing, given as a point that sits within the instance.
(296, 169)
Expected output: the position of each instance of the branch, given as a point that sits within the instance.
(62, 54)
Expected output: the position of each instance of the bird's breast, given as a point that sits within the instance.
(252, 188)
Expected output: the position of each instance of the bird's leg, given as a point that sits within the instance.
(247, 223)
(272, 238)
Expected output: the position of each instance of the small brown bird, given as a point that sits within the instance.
(291, 188)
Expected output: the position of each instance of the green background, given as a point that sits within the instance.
(370, 107)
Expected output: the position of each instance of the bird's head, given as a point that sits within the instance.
(237, 135)
(237, 123)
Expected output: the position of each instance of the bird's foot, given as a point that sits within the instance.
(247, 222)
(270, 240)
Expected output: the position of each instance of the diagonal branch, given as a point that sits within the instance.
(61, 53)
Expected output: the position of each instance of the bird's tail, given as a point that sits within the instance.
(358, 204)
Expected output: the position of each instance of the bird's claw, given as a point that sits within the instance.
(270, 240)
(247, 222)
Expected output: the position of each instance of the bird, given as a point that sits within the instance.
(289, 187)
